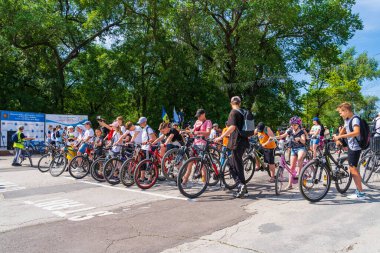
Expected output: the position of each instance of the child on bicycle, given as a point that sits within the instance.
(297, 138)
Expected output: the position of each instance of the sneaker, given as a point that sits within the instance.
(272, 180)
(357, 195)
(242, 192)
(16, 164)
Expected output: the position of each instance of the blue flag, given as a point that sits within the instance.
(164, 115)
(176, 117)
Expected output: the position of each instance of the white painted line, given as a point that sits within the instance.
(131, 190)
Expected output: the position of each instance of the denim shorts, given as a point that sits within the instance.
(83, 147)
(294, 151)
(314, 141)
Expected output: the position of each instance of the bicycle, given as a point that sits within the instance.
(45, 160)
(198, 172)
(97, 166)
(151, 168)
(315, 177)
(26, 154)
(370, 162)
(61, 159)
(112, 168)
(128, 168)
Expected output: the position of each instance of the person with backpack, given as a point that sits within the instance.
(18, 143)
(354, 130)
(148, 136)
(241, 125)
(264, 134)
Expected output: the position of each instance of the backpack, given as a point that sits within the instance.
(248, 128)
(364, 133)
(322, 132)
(14, 137)
(57, 134)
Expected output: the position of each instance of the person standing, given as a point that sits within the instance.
(351, 131)
(376, 123)
(19, 145)
(238, 144)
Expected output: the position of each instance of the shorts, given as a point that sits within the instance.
(83, 147)
(269, 156)
(171, 146)
(294, 151)
(314, 141)
(353, 157)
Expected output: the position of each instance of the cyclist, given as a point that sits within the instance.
(175, 125)
(148, 136)
(87, 138)
(49, 134)
(202, 127)
(214, 131)
(117, 133)
(19, 145)
(98, 142)
(298, 151)
(71, 134)
(264, 134)
(315, 134)
(173, 139)
(351, 121)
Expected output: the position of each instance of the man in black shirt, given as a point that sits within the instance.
(237, 143)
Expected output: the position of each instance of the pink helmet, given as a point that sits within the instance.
(295, 120)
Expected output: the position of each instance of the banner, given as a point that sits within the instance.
(64, 120)
(33, 125)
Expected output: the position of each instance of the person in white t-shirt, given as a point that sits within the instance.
(315, 133)
(116, 148)
(214, 131)
(87, 138)
(147, 137)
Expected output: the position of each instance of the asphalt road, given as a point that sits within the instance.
(40, 213)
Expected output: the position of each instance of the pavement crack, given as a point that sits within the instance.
(231, 245)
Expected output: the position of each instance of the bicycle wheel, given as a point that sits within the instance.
(172, 162)
(282, 180)
(314, 181)
(197, 177)
(58, 165)
(249, 168)
(343, 178)
(127, 172)
(213, 178)
(146, 174)
(96, 169)
(79, 167)
(111, 171)
(44, 163)
(370, 165)
(227, 179)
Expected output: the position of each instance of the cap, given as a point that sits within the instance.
(260, 127)
(315, 119)
(142, 120)
(199, 113)
(87, 122)
(70, 127)
(115, 124)
(80, 126)
(175, 124)
(236, 99)
(215, 125)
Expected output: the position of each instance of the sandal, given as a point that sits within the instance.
(289, 187)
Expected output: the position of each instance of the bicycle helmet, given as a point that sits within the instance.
(295, 120)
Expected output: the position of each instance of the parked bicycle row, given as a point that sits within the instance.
(133, 154)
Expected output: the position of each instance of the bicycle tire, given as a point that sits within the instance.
(127, 172)
(227, 179)
(204, 178)
(58, 165)
(109, 169)
(315, 167)
(213, 178)
(371, 171)
(282, 176)
(42, 165)
(79, 171)
(249, 168)
(341, 187)
(171, 170)
(153, 170)
(95, 169)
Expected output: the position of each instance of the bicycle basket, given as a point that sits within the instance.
(375, 144)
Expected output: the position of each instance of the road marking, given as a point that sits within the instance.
(6, 186)
(131, 190)
(59, 207)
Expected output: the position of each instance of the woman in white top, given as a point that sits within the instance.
(315, 132)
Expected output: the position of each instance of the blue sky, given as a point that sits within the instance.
(366, 40)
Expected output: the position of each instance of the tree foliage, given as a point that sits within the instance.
(130, 57)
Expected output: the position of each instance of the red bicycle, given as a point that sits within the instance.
(128, 168)
(147, 171)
